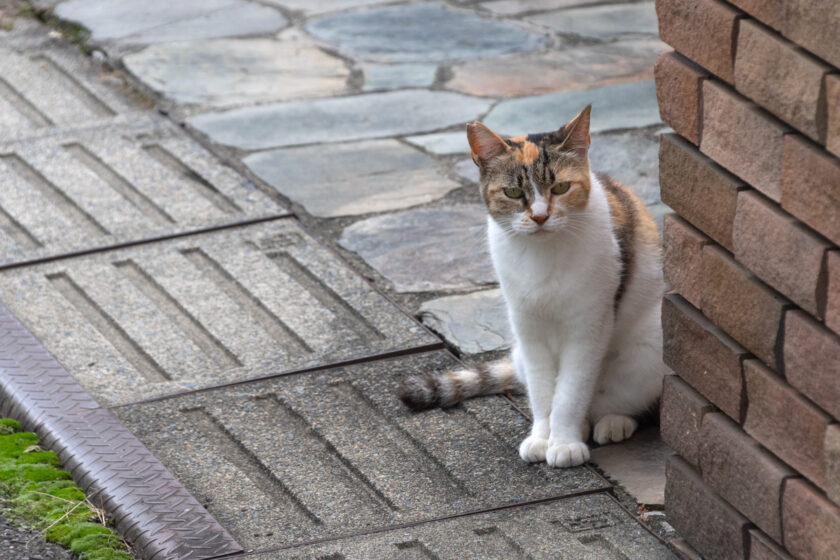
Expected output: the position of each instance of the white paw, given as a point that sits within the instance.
(532, 449)
(566, 454)
(614, 428)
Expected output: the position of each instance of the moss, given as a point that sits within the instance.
(38, 492)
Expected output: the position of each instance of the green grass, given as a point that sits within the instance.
(37, 492)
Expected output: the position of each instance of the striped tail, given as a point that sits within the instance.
(448, 388)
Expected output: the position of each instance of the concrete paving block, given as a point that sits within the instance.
(221, 73)
(97, 187)
(340, 119)
(159, 21)
(324, 454)
(353, 178)
(42, 90)
(421, 31)
(628, 105)
(602, 22)
(473, 323)
(589, 527)
(397, 76)
(202, 310)
(427, 249)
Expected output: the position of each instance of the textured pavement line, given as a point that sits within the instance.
(433, 347)
(145, 241)
(150, 507)
(397, 527)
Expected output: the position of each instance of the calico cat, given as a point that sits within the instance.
(578, 259)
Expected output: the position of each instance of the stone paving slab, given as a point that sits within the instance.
(422, 31)
(397, 76)
(627, 105)
(588, 527)
(473, 323)
(558, 70)
(340, 119)
(42, 90)
(426, 250)
(97, 187)
(354, 178)
(602, 22)
(308, 7)
(222, 73)
(632, 158)
(516, 7)
(442, 143)
(325, 454)
(157, 21)
(638, 464)
(203, 310)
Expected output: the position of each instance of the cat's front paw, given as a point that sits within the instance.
(532, 449)
(566, 454)
(614, 428)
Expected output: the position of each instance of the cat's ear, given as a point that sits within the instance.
(484, 143)
(575, 134)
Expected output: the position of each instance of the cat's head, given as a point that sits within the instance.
(536, 183)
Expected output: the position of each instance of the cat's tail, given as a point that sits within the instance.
(448, 388)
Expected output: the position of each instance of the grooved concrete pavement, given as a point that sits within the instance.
(252, 353)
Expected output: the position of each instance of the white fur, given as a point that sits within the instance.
(579, 362)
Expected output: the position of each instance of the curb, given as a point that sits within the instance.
(149, 505)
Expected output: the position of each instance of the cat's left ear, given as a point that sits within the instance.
(576, 134)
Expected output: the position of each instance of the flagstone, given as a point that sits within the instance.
(473, 323)
(602, 22)
(442, 143)
(396, 76)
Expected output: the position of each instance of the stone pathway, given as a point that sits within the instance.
(242, 345)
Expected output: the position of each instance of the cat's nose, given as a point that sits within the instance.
(539, 219)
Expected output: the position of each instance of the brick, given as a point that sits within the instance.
(811, 185)
(680, 415)
(702, 30)
(703, 355)
(814, 24)
(697, 188)
(678, 89)
(811, 523)
(832, 305)
(762, 547)
(682, 261)
(740, 304)
(781, 77)
(831, 449)
(781, 251)
(713, 527)
(741, 472)
(785, 422)
(768, 12)
(812, 360)
(832, 129)
(742, 138)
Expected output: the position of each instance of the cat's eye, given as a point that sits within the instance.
(514, 192)
(561, 188)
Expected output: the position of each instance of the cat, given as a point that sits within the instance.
(578, 259)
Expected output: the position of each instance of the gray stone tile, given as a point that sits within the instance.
(221, 73)
(158, 21)
(473, 323)
(628, 105)
(602, 22)
(583, 528)
(327, 453)
(632, 158)
(421, 32)
(97, 187)
(442, 143)
(351, 179)
(202, 310)
(338, 119)
(44, 90)
(576, 68)
(397, 76)
(467, 169)
(516, 7)
(425, 249)
(638, 464)
(309, 7)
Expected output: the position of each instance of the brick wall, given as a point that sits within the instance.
(752, 90)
